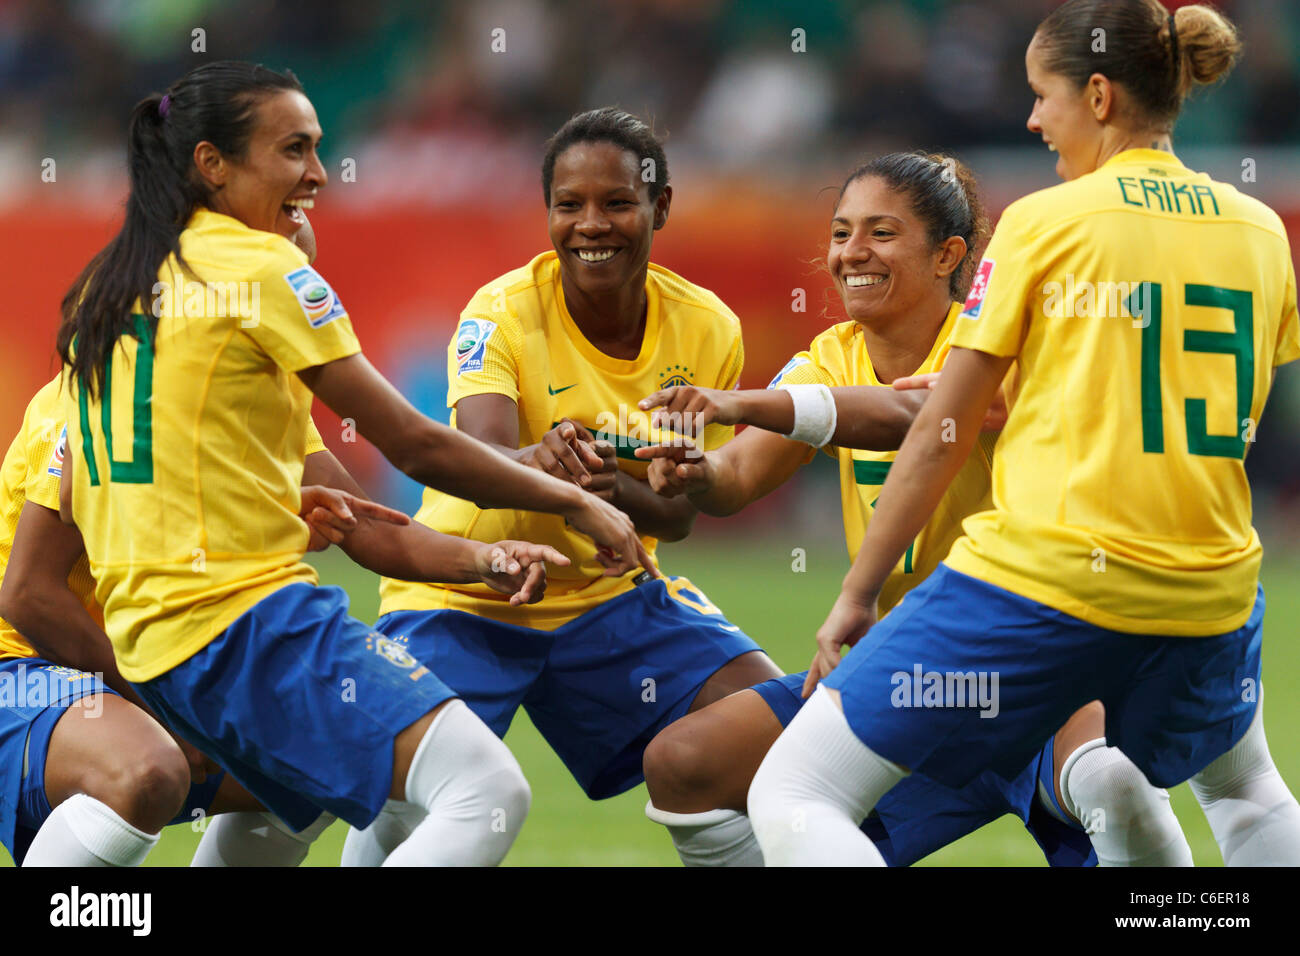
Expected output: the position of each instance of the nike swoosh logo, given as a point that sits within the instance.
(557, 391)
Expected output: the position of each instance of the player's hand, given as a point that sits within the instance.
(677, 470)
(686, 409)
(994, 419)
(849, 619)
(604, 480)
(331, 515)
(566, 452)
(517, 568)
(619, 548)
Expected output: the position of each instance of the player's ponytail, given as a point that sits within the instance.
(1206, 44)
(944, 195)
(214, 103)
(1158, 57)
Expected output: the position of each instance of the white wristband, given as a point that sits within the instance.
(814, 414)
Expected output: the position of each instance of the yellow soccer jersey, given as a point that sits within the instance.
(516, 338)
(31, 472)
(314, 442)
(838, 357)
(188, 464)
(1147, 306)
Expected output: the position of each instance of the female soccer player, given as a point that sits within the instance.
(187, 430)
(52, 632)
(1118, 562)
(548, 358)
(78, 735)
(904, 237)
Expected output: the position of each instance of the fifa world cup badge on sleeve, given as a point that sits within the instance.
(315, 297)
(792, 364)
(978, 288)
(471, 342)
(60, 449)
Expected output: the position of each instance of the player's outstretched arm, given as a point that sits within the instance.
(867, 416)
(410, 551)
(723, 481)
(443, 458)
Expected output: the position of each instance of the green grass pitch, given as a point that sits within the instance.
(752, 581)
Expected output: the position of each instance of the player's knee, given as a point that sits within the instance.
(508, 794)
(146, 786)
(679, 772)
(1131, 796)
(480, 773)
(1103, 788)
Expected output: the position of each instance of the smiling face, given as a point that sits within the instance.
(601, 218)
(270, 186)
(881, 258)
(1063, 117)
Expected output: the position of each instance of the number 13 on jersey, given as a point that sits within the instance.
(1146, 303)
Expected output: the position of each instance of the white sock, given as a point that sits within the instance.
(711, 838)
(371, 846)
(1129, 822)
(815, 787)
(1255, 818)
(82, 831)
(475, 794)
(255, 839)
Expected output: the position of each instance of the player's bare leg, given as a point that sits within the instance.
(1129, 822)
(734, 676)
(698, 770)
(114, 778)
(706, 760)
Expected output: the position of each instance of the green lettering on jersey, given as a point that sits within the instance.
(1146, 302)
(1151, 187)
(1203, 190)
(1181, 191)
(1125, 181)
(875, 473)
(87, 443)
(139, 470)
(1240, 344)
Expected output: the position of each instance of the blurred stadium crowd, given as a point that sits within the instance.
(717, 74)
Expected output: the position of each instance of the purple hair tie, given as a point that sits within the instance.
(164, 105)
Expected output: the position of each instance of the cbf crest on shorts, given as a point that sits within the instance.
(471, 343)
(395, 652)
(979, 287)
(315, 297)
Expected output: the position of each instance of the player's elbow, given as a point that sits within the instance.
(419, 453)
(900, 416)
(6, 599)
(15, 598)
